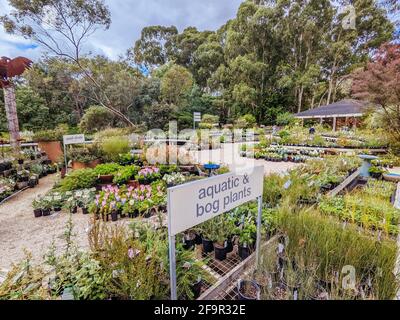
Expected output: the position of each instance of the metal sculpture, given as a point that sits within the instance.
(10, 68)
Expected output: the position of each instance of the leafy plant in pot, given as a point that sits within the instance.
(72, 205)
(46, 206)
(84, 202)
(37, 205)
(57, 202)
(189, 240)
(208, 233)
(246, 232)
(190, 274)
(107, 171)
(224, 228)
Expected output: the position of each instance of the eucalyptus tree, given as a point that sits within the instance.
(62, 27)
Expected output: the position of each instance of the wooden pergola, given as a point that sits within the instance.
(348, 110)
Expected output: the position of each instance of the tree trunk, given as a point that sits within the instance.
(300, 102)
(12, 116)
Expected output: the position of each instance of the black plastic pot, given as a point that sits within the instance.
(85, 210)
(189, 241)
(57, 209)
(198, 239)
(228, 246)
(243, 296)
(244, 252)
(114, 216)
(74, 210)
(31, 183)
(46, 212)
(38, 213)
(220, 252)
(208, 246)
(196, 289)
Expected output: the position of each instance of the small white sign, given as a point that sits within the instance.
(196, 202)
(197, 116)
(74, 139)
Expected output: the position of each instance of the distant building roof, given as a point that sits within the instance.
(343, 108)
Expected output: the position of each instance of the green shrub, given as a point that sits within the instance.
(107, 168)
(112, 147)
(79, 179)
(246, 121)
(96, 118)
(125, 174)
(51, 135)
(285, 119)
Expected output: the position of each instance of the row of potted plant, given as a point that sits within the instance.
(222, 234)
(370, 208)
(70, 200)
(143, 200)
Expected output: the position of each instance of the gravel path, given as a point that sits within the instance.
(20, 230)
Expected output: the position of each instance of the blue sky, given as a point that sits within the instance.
(128, 19)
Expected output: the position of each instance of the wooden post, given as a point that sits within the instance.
(12, 116)
(334, 123)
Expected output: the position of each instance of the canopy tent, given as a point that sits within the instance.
(342, 109)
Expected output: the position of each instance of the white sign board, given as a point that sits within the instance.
(194, 203)
(74, 139)
(197, 116)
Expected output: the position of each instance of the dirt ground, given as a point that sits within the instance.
(20, 230)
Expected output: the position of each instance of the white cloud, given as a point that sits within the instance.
(129, 17)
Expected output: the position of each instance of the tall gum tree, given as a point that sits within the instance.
(62, 27)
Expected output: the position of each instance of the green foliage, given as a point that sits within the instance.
(79, 179)
(246, 121)
(325, 244)
(96, 118)
(112, 147)
(81, 154)
(51, 135)
(125, 174)
(107, 168)
(285, 119)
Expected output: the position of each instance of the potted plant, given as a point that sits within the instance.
(224, 227)
(148, 175)
(106, 172)
(33, 180)
(46, 206)
(190, 274)
(81, 158)
(37, 207)
(208, 233)
(189, 240)
(376, 172)
(84, 202)
(125, 174)
(50, 142)
(71, 204)
(174, 179)
(248, 290)
(246, 232)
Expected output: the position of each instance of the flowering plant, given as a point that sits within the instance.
(174, 179)
(148, 175)
(129, 199)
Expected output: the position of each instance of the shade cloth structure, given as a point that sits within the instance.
(345, 109)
